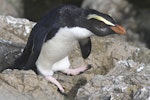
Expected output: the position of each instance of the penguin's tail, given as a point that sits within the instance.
(19, 64)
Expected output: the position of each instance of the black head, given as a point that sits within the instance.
(101, 24)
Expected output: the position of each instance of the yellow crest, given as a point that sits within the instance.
(100, 18)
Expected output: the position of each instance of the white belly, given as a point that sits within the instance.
(53, 56)
(54, 53)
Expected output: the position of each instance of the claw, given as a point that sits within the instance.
(89, 66)
(54, 81)
(63, 93)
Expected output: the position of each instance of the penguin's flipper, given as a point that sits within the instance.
(21, 60)
(39, 37)
(85, 45)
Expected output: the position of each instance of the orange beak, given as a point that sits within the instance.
(118, 29)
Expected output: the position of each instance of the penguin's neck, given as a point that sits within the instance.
(80, 33)
(73, 33)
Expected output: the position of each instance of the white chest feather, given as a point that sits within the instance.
(59, 47)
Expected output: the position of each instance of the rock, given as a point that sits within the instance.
(128, 80)
(13, 36)
(144, 22)
(15, 29)
(140, 4)
(107, 54)
(115, 8)
(104, 52)
(26, 85)
(11, 7)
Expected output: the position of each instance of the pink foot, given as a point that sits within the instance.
(54, 81)
(76, 71)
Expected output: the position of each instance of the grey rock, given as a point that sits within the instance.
(17, 28)
(110, 58)
(13, 36)
(128, 80)
(115, 8)
(11, 7)
(26, 85)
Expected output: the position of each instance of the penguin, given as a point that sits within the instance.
(55, 35)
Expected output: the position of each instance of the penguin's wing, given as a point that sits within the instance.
(85, 45)
(21, 61)
(39, 37)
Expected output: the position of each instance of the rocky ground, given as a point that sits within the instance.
(120, 70)
(121, 64)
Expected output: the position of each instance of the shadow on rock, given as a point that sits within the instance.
(72, 93)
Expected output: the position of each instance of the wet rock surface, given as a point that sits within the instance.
(113, 61)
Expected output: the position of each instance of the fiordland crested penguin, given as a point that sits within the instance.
(54, 36)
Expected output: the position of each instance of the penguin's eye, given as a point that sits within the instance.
(102, 24)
